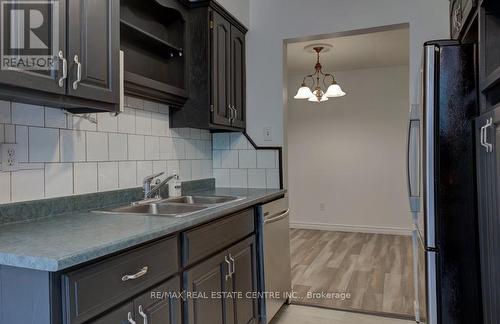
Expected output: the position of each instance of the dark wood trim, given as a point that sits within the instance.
(40, 98)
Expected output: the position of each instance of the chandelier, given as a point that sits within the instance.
(318, 95)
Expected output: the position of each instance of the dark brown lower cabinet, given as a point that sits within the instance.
(155, 306)
(219, 287)
(118, 316)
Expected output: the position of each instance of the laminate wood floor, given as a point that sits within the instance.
(294, 314)
(376, 270)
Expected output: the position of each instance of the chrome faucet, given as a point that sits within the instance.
(153, 191)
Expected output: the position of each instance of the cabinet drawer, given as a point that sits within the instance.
(96, 288)
(205, 240)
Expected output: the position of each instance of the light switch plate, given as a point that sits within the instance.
(268, 134)
(9, 157)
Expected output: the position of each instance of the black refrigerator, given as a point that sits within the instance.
(442, 187)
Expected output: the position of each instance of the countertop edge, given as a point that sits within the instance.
(94, 253)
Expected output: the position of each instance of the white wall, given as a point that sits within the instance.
(349, 154)
(271, 22)
(239, 8)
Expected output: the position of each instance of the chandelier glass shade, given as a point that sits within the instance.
(318, 95)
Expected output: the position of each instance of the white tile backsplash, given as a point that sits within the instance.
(73, 147)
(118, 144)
(221, 141)
(238, 178)
(85, 178)
(126, 121)
(144, 169)
(236, 163)
(97, 146)
(257, 178)
(27, 185)
(70, 155)
(266, 159)
(143, 122)
(55, 118)
(127, 174)
(10, 133)
(4, 184)
(20, 136)
(136, 147)
(43, 144)
(247, 159)
(107, 176)
(229, 159)
(152, 148)
(58, 179)
(107, 122)
(30, 115)
(5, 115)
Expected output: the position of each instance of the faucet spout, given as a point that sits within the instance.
(151, 191)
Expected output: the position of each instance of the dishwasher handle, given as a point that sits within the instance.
(277, 217)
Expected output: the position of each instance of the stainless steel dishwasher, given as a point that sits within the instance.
(274, 242)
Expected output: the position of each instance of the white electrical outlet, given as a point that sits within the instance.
(9, 157)
(268, 134)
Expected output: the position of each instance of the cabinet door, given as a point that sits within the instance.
(221, 70)
(488, 153)
(94, 49)
(117, 316)
(238, 75)
(203, 280)
(244, 281)
(156, 307)
(51, 35)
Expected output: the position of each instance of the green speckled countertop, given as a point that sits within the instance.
(63, 241)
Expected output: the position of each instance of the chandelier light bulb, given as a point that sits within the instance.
(304, 92)
(334, 91)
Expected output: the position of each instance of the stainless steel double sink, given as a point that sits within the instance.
(172, 207)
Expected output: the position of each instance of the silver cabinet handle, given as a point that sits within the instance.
(235, 113)
(139, 274)
(65, 69)
(130, 319)
(230, 114)
(482, 138)
(489, 146)
(144, 316)
(78, 72)
(232, 261)
(229, 273)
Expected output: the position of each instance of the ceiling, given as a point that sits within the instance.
(377, 49)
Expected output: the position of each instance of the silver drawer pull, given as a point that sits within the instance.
(130, 319)
(139, 274)
(144, 316)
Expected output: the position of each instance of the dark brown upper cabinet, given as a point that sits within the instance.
(87, 55)
(93, 50)
(153, 39)
(461, 12)
(217, 99)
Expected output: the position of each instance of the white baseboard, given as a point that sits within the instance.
(352, 228)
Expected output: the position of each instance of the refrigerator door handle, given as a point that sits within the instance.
(482, 137)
